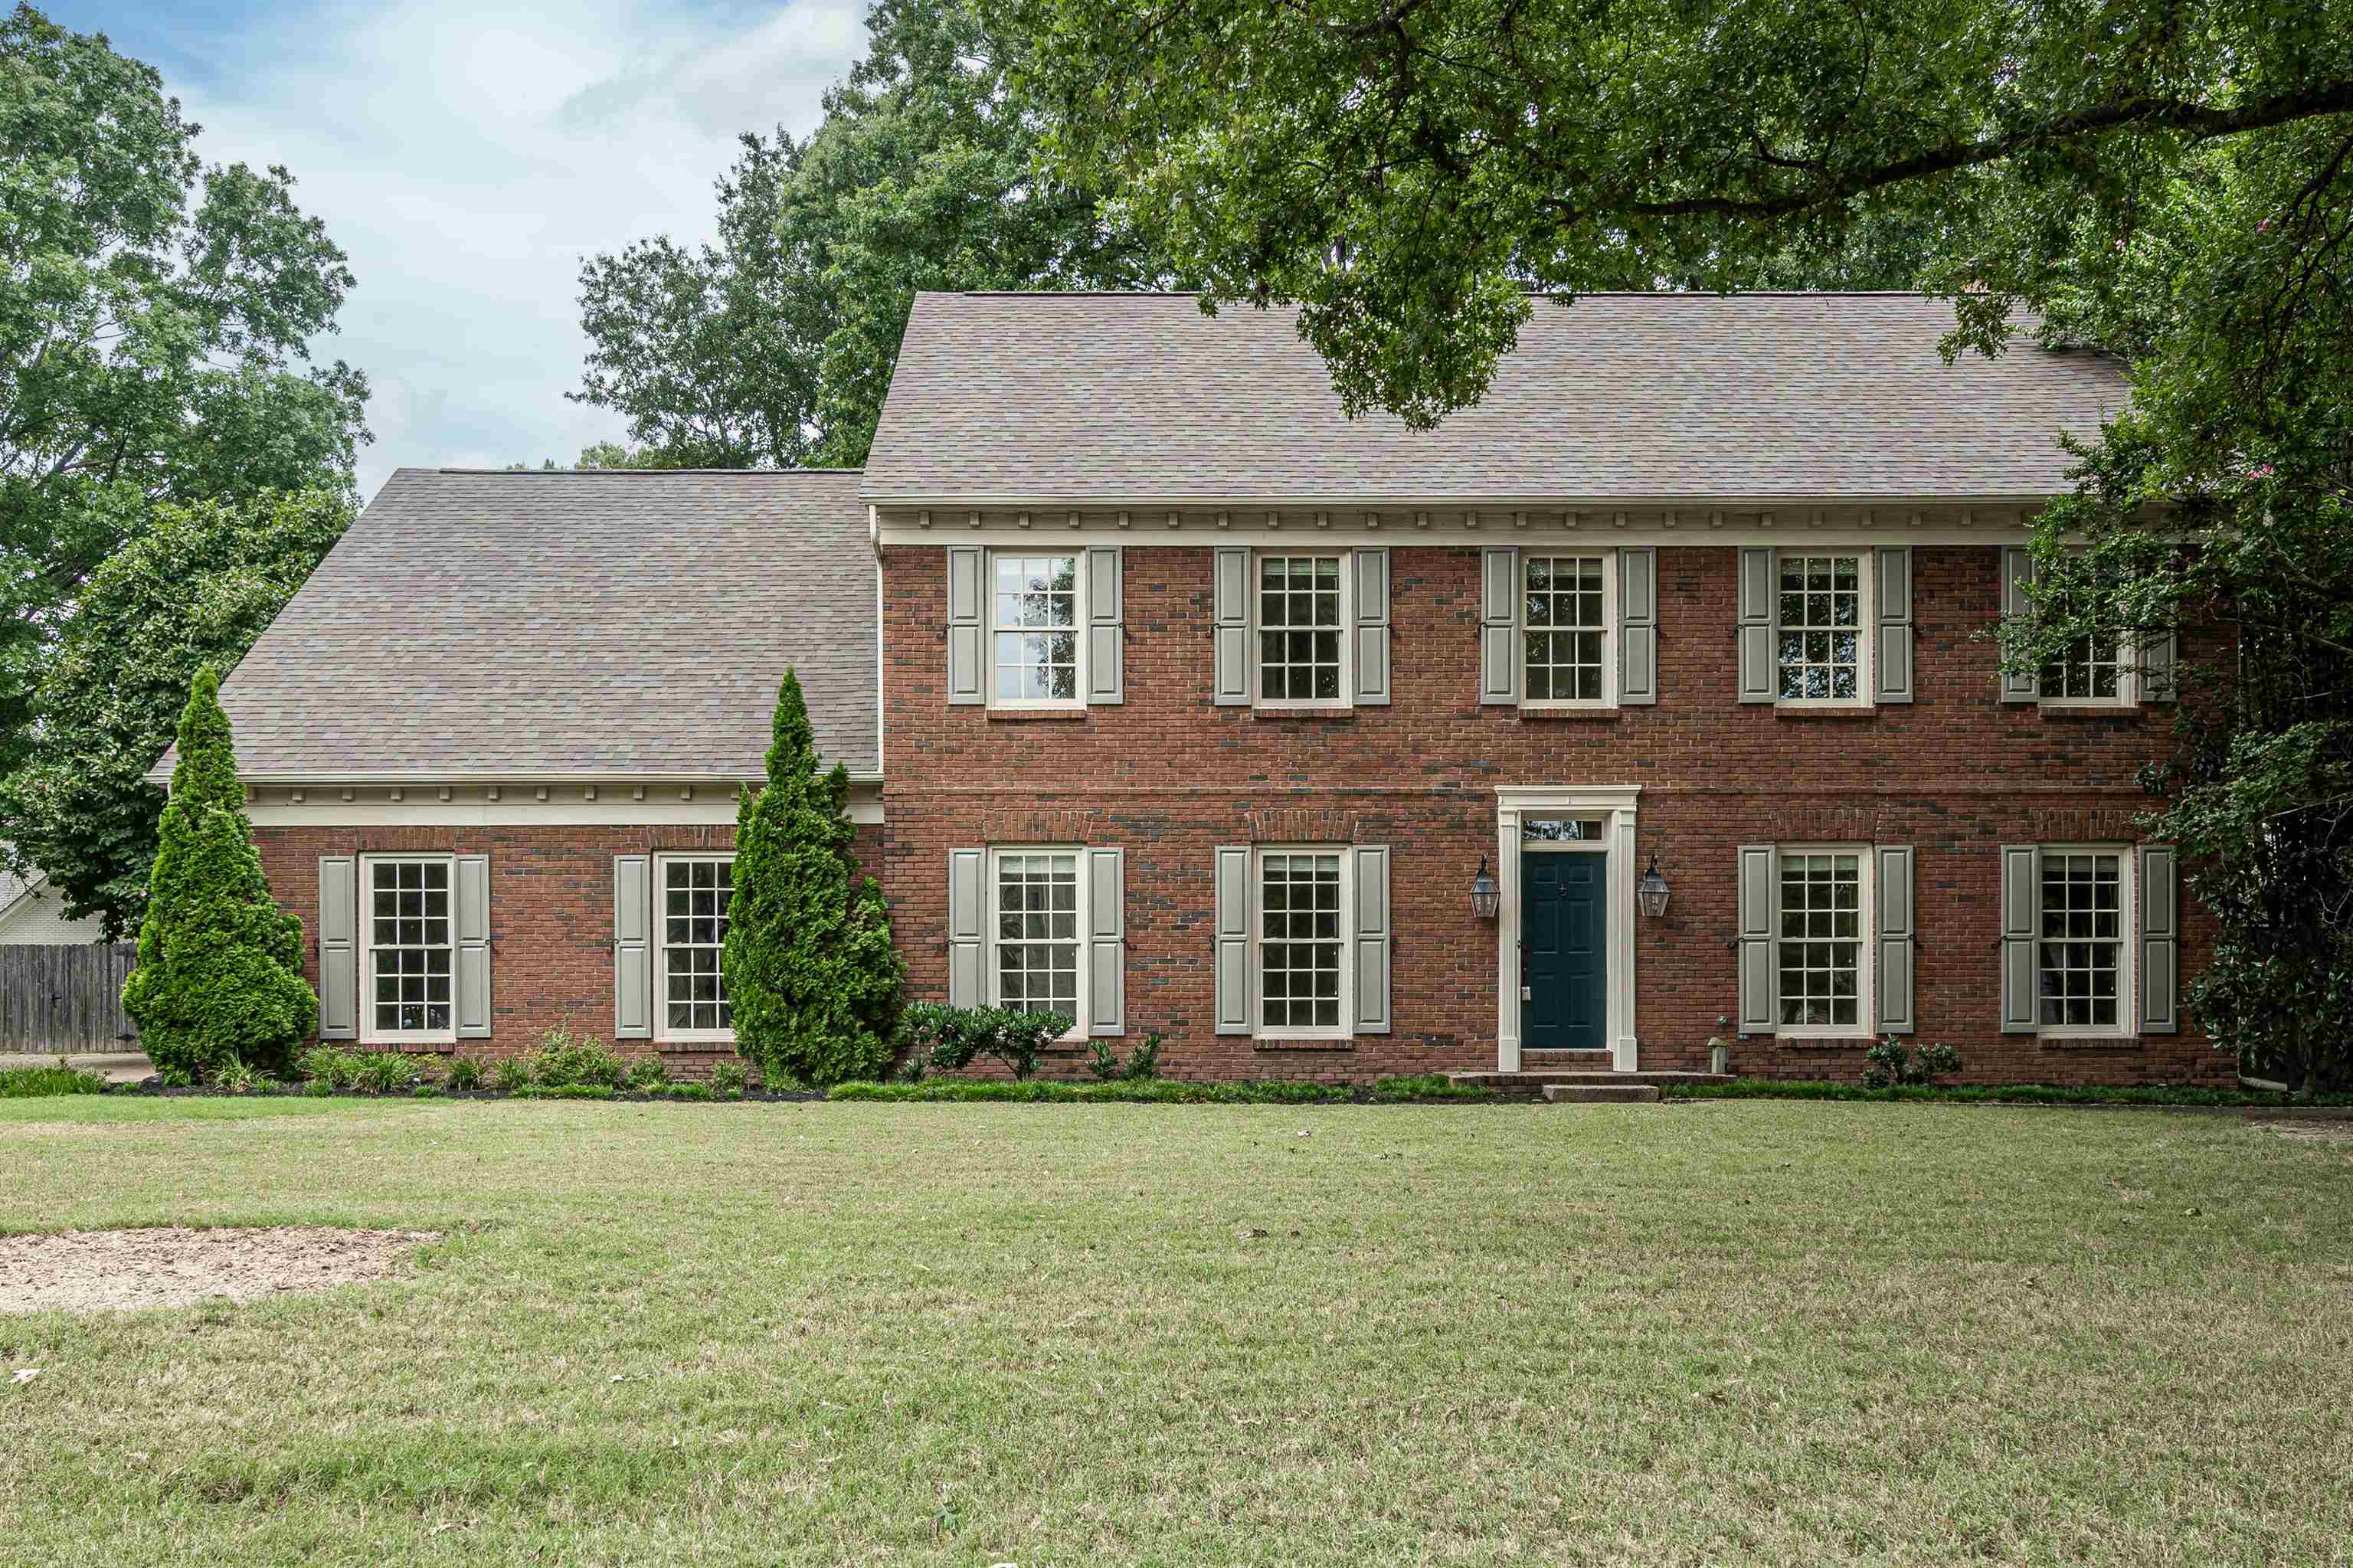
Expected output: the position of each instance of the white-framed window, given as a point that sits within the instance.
(1566, 637)
(408, 976)
(1822, 641)
(1301, 608)
(1820, 946)
(2084, 950)
(1036, 628)
(695, 890)
(2089, 672)
(1301, 942)
(1037, 960)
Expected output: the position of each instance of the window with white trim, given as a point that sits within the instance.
(2083, 957)
(1565, 630)
(1036, 962)
(696, 893)
(1819, 947)
(409, 977)
(1821, 649)
(1303, 645)
(2089, 671)
(1302, 941)
(1037, 630)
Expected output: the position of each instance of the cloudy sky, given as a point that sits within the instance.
(468, 156)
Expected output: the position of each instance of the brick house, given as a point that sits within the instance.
(1174, 700)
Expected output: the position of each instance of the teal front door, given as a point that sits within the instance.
(1562, 925)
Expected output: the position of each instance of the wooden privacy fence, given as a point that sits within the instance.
(65, 997)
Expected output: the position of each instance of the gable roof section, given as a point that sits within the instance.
(1627, 397)
(597, 623)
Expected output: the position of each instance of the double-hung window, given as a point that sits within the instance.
(2083, 956)
(1037, 627)
(1565, 630)
(1302, 621)
(1036, 962)
(1822, 641)
(2089, 672)
(408, 984)
(1301, 942)
(695, 893)
(1825, 968)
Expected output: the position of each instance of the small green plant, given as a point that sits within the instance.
(511, 1074)
(1141, 1064)
(328, 1064)
(565, 1060)
(430, 1092)
(727, 1079)
(384, 1072)
(689, 1091)
(240, 1077)
(1891, 1064)
(464, 1075)
(949, 1038)
(318, 1088)
(648, 1075)
(1103, 1061)
(29, 1083)
(911, 1070)
(1144, 1061)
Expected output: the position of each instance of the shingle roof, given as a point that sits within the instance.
(526, 623)
(1616, 397)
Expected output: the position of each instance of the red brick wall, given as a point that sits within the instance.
(1170, 777)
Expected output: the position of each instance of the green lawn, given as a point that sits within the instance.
(1737, 1332)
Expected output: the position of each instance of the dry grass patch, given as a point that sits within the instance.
(172, 1265)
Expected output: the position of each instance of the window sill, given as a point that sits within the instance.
(1282, 712)
(1824, 710)
(1334, 1043)
(1028, 715)
(2088, 1042)
(1825, 1042)
(1549, 714)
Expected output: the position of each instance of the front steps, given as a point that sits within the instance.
(1601, 1094)
(1587, 1087)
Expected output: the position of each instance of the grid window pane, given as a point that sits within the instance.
(1299, 628)
(1299, 940)
(696, 894)
(1818, 644)
(2082, 949)
(1034, 620)
(1820, 949)
(409, 946)
(2090, 669)
(1564, 626)
(1037, 932)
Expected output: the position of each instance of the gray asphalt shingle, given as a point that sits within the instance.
(1633, 397)
(568, 623)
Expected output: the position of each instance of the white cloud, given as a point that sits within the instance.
(468, 159)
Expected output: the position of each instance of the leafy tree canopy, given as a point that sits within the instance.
(774, 346)
(154, 314)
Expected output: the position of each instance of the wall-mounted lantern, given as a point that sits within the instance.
(1485, 896)
(1650, 893)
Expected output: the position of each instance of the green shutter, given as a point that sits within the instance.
(1231, 593)
(633, 962)
(1893, 918)
(473, 943)
(339, 980)
(1107, 627)
(968, 936)
(1230, 944)
(1106, 941)
(1638, 625)
(1371, 653)
(1499, 626)
(1753, 609)
(967, 640)
(1372, 940)
(2017, 572)
(1760, 999)
(2021, 924)
(1891, 653)
(2160, 940)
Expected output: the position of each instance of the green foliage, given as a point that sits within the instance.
(219, 977)
(464, 1075)
(511, 1074)
(1165, 1091)
(774, 346)
(338, 1067)
(2005, 1094)
(238, 1078)
(566, 1092)
(949, 1039)
(1892, 1062)
(812, 978)
(1144, 1061)
(565, 1060)
(193, 589)
(1101, 1060)
(29, 1083)
(384, 1072)
(155, 314)
(689, 1091)
(727, 1080)
(648, 1075)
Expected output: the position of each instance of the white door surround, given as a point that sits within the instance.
(1516, 805)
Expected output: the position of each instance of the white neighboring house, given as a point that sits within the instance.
(33, 913)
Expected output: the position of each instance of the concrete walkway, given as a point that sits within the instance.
(114, 1067)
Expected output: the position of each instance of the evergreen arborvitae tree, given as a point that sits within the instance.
(812, 978)
(220, 967)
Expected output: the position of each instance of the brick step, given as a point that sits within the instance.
(1601, 1094)
(1532, 1081)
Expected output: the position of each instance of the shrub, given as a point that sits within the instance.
(330, 1065)
(1144, 1061)
(689, 1091)
(1165, 1091)
(511, 1074)
(240, 1078)
(1103, 1061)
(465, 1072)
(29, 1083)
(648, 1075)
(727, 1080)
(1891, 1064)
(384, 1072)
(219, 977)
(565, 1060)
(949, 1038)
(812, 980)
